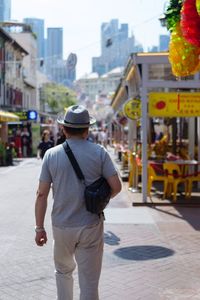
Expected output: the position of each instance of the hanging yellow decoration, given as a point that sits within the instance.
(197, 69)
(198, 6)
(183, 56)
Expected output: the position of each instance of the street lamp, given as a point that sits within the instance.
(163, 20)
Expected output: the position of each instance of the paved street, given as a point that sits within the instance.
(150, 253)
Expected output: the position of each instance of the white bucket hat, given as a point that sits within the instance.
(76, 116)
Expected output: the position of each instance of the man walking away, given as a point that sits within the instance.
(77, 233)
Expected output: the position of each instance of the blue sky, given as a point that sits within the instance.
(81, 21)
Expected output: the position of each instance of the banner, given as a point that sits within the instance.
(174, 104)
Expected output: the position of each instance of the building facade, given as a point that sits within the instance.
(11, 85)
(93, 89)
(28, 41)
(37, 26)
(11, 75)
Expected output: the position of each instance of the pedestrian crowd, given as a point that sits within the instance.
(95, 135)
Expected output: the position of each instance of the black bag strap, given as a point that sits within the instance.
(73, 161)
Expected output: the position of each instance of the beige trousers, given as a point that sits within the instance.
(83, 245)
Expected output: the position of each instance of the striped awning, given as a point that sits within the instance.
(8, 116)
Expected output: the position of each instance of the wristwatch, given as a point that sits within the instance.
(39, 229)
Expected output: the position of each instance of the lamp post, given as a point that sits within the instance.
(163, 20)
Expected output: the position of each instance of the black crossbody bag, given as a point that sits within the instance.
(97, 195)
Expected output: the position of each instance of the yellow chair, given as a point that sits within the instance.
(125, 159)
(133, 171)
(174, 178)
(153, 176)
(190, 180)
(139, 165)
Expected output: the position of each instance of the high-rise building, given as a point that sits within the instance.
(116, 46)
(55, 43)
(164, 42)
(54, 54)
(37, 26)
(5, 10)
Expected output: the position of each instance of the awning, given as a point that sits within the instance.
(8, 117)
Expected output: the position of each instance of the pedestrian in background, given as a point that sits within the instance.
(45, 144)
(103, 137)
(77, 233)
(25, 142)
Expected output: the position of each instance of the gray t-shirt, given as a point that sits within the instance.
(68, 191)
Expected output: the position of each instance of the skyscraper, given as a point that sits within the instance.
(164, 42)
(5, 10)
(116, 46)
(54, 53)
(55, 43)
(37, 28)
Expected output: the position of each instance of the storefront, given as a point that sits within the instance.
(20, 132)
(148, 73)
(6, 117)
(6, 149)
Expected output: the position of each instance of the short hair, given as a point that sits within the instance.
(44, 133)
(74, 131)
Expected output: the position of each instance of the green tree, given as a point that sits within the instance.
(57, 97)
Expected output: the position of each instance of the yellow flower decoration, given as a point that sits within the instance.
(183, 56)
(198, 6)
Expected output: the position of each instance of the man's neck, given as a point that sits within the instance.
(76, 137)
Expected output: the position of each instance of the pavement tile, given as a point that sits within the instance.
(149, 253)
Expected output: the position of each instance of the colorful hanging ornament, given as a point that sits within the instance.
(197, 69)
(183, 56)
(172, 14)
(198, 6)
(190, 22)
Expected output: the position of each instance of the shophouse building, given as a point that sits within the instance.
(23, 34)
(11, 80)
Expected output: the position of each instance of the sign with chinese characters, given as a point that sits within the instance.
(22, 115)
(132, 109)
(174, 104)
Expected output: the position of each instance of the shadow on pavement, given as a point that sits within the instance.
(146, 252)
(188, 214)
(111, 239)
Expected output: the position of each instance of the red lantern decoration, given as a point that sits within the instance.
(190, 22)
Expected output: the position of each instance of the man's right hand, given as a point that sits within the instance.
(41, 238)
